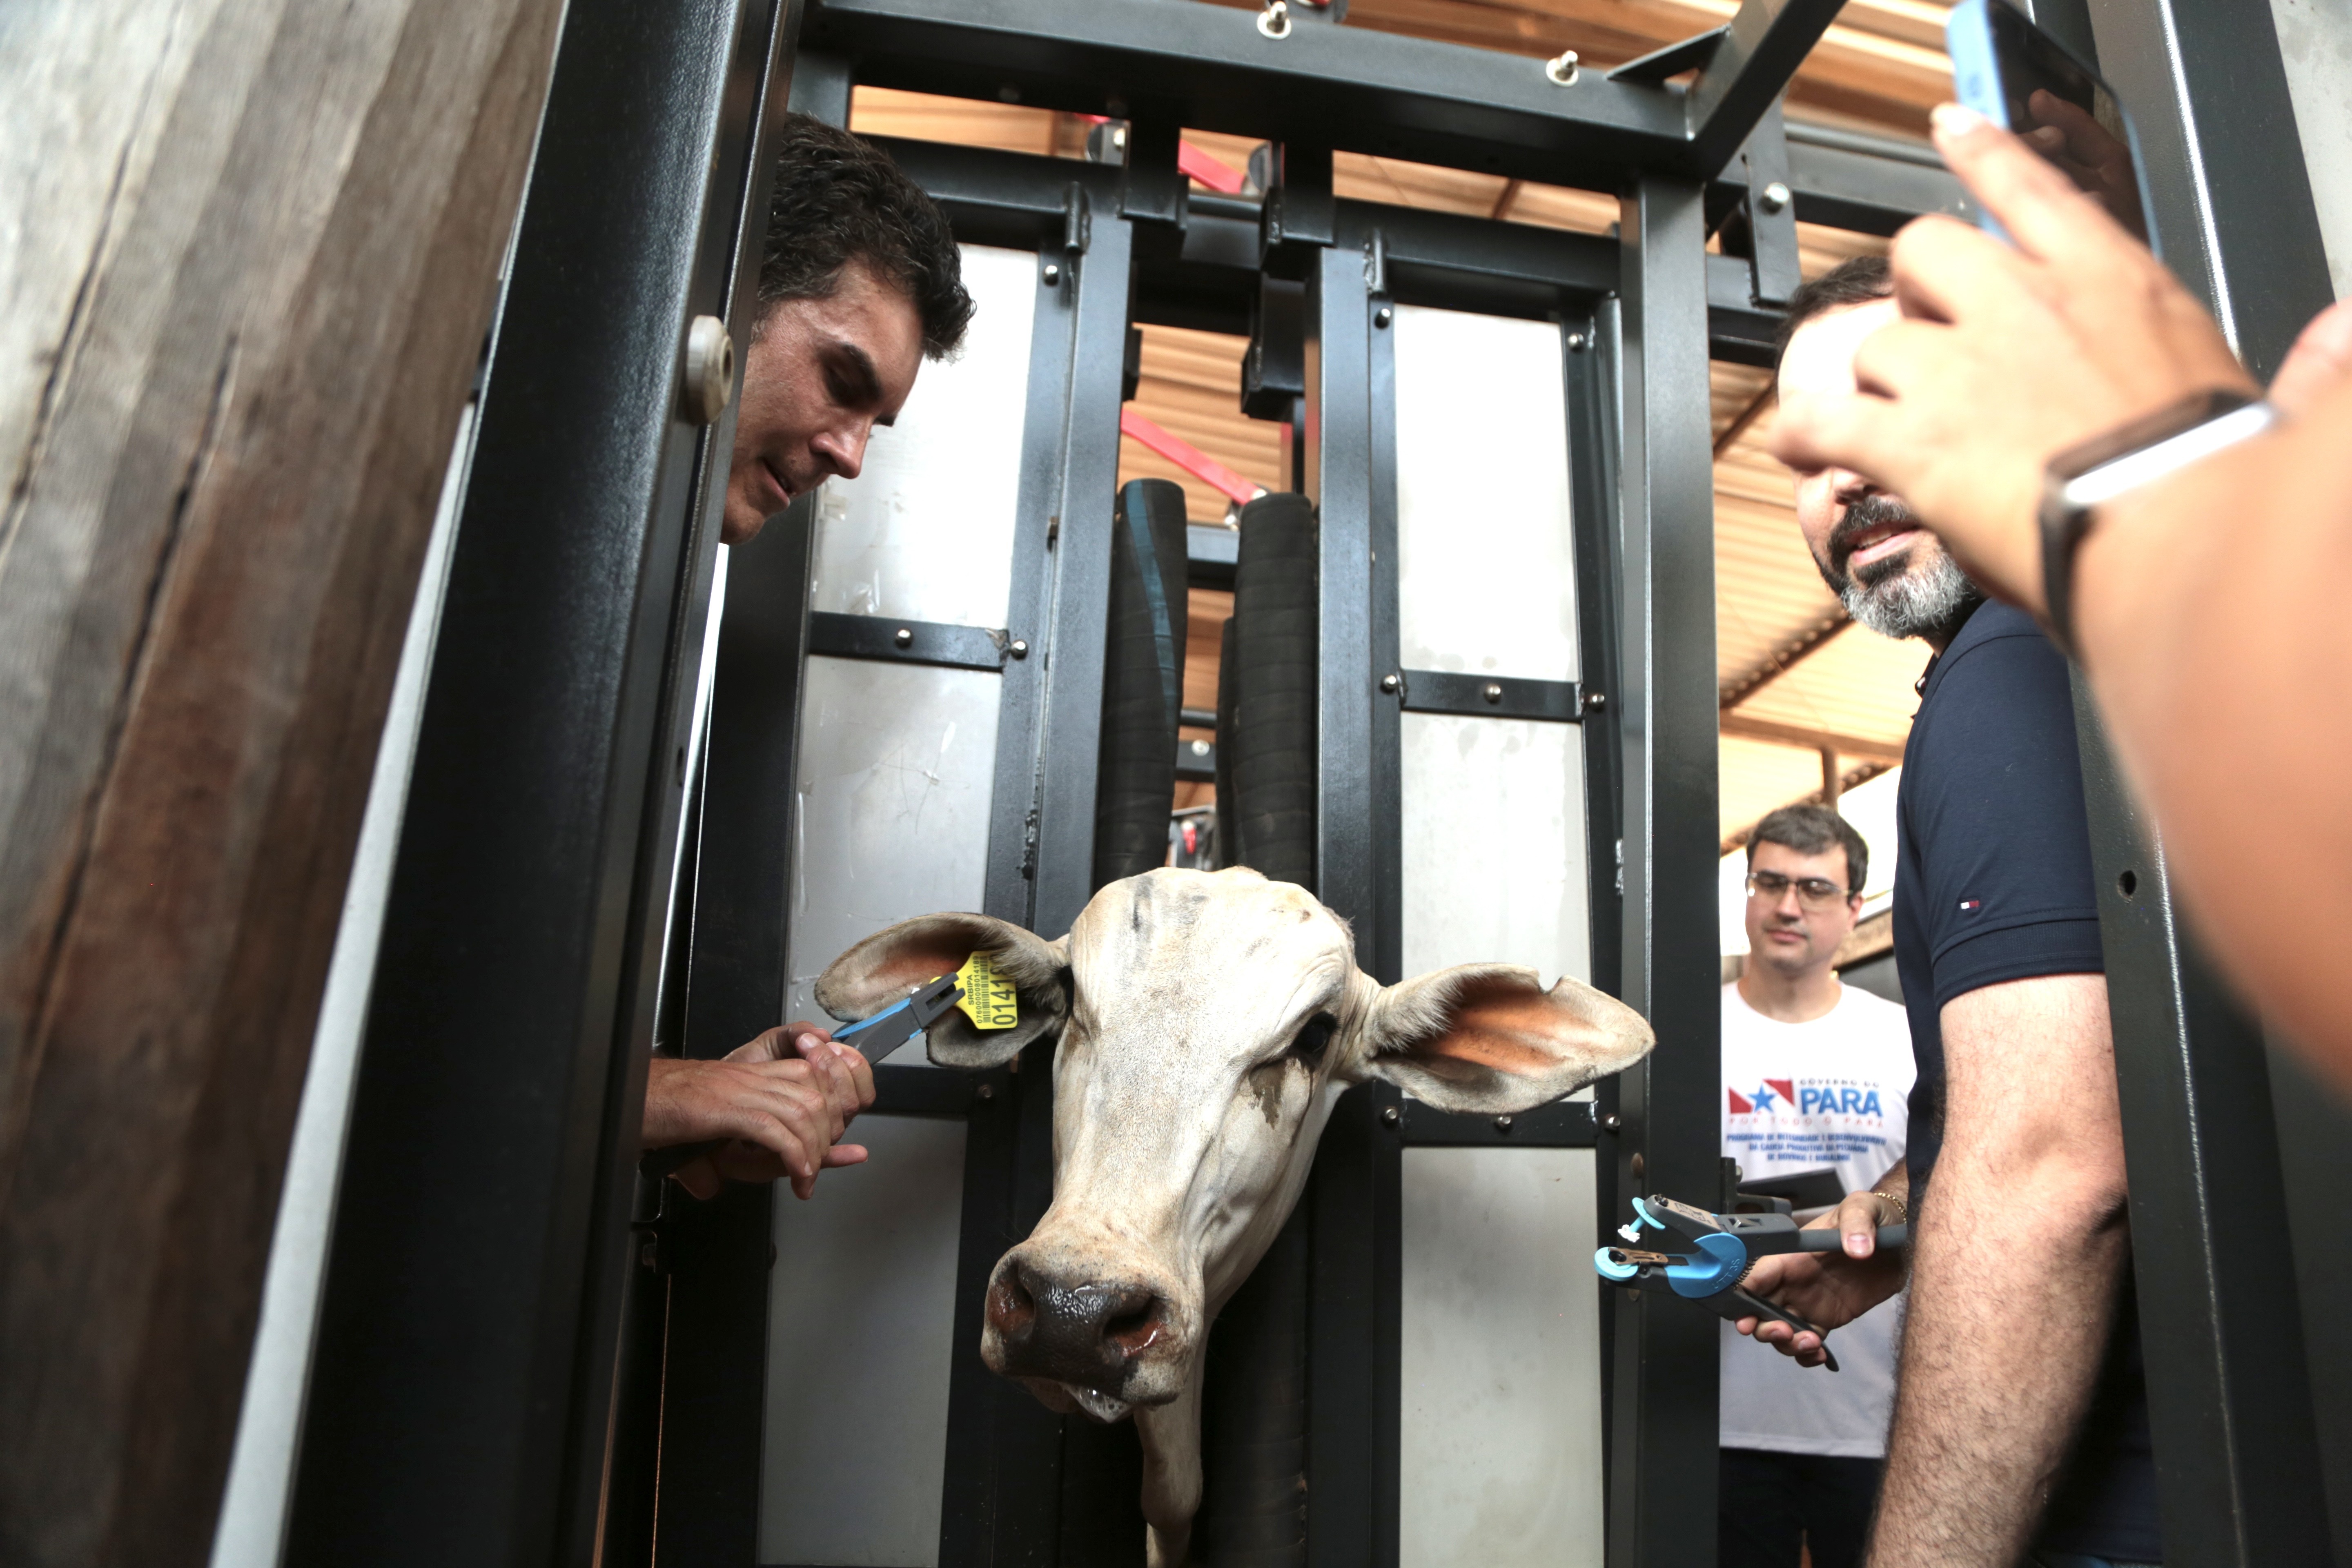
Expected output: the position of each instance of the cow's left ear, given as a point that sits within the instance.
(1488, 1038)
(903, 958)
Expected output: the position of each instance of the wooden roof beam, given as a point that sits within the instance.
(1742, 728)
(1785, 658)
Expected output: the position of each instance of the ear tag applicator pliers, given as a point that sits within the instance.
(873, 1038)
(1723, 1248)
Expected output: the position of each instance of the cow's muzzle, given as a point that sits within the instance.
(1090, 1334)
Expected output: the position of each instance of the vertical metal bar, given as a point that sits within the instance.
(1080, 607)
(1353, 1196)
(1589, 343)
(1000, 1491)
(2208, 93)
(1339, 472)
(2230, 1400)
(2236, 1448)
(1662, 1420)
(1381, 947)
(711, 1376)
(470, 1312)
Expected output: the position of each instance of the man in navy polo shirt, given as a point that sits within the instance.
(2021, 1423)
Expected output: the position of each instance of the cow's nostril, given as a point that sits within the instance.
(1137, 1328)
(1012, 1310)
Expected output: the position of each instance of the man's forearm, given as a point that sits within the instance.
(2001, 1347)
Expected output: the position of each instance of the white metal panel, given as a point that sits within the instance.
(860, 1316)
(1485, 555)
(925, 532)
(1500, 1445)
(1493, 858)
(897, 770)
(1500, 1437)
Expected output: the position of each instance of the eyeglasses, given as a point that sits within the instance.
(1812, 893)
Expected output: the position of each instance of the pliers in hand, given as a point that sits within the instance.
(1723, 1248)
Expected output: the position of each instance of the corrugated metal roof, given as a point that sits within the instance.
(1795, 677)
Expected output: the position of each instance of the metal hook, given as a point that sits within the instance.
(1274, 20)
(1560, 70)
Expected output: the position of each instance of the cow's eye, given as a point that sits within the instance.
(1312, 1035)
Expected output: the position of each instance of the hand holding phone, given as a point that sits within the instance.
(2023, 79)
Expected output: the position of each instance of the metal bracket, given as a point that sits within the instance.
(1077, 227)
(1488, 697)
(1770, 212)
(908, 642)
(1562, 1124)
(1196, 762)
(1299, 211)
(1653, 68)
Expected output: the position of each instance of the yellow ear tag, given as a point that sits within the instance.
(987, 1001)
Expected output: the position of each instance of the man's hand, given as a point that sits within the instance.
(1827, 1289)
(2006, 356)
(782, 1100)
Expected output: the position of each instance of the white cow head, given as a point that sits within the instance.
(1202, 1017)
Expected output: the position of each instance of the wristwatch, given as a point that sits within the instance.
(2079, 479)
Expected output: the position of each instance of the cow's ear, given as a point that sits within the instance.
(1487, 1037)
(908, 956)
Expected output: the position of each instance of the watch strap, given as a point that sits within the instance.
(2079, 478)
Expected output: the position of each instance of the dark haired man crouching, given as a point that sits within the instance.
(860, 281)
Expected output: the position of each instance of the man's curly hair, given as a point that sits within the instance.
(840, 199)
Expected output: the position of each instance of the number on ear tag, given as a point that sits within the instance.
(987, 1001)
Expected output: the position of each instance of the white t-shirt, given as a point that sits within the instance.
(1834, 1093)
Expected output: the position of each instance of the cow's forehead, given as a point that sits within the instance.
(1176, 932)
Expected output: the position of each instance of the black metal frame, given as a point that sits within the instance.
(458, 1409)
(1204, 262)
(2242, 1475)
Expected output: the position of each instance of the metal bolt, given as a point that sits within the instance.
(1611, 1123)
(1019, 648)
(1502, 1124)
(1594, 701)
(1578, 342)
(1274, 20)
(1392, 1116)
(709, 377)
(1381, 317)
(1390, 683)
(1773, 197)
(1560, 69)
(1200, 748)
(1494, 693)
(903, 637)
(986, 1091)
(1053, 274)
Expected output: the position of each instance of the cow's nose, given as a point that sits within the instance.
(1085, 1331)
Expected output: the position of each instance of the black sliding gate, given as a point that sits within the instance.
(437, 1322)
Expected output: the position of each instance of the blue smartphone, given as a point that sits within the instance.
(2024, 81)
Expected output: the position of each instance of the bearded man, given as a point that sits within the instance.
(2020, 1418)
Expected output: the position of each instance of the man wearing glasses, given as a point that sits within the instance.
(1817, 1085)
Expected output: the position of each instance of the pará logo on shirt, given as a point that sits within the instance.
(1827, 1100)
(1771, 1093)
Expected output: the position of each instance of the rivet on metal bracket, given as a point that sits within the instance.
(1274, 20)
(1560, 69)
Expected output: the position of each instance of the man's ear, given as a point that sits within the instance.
(903, 959)
(1487, 1037)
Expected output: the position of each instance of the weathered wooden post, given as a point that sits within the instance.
(249, 249)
